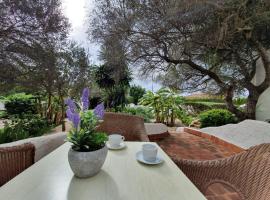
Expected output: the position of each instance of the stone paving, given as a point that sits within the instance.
(188, 146)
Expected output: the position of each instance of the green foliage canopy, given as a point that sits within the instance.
(206, 45)
(164, 104)
(20, 103)
(136, 92)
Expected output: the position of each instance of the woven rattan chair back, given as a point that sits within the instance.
(130, 126)
(14, 160)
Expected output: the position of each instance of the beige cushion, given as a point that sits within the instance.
(43, 144)
(155, 128)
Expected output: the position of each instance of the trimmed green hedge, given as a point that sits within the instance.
(203, 106)
(216, 117)
(20, 103)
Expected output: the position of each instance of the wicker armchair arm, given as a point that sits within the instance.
(248, 172)
(201, 172)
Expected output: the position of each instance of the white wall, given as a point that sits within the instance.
(2, 106)
(263, 105)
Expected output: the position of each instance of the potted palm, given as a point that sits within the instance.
(88, 151)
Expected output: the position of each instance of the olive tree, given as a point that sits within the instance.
(216, 42)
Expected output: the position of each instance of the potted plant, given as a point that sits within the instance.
(88, 151)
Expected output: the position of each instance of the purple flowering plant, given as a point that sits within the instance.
(83, 135)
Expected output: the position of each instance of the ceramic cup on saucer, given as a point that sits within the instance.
(115, 140)
(149, 152)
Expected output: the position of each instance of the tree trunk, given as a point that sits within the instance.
(39, 105)
(63, 114)
(55, 121)
(172, 118)
(251, 108)
(252, 101)
(157, 117)
(49, 108)
(250, 112)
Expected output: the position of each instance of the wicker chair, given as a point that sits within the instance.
(132, 127)
(247, 173)
(14, 160)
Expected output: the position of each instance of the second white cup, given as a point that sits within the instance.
(116, 139)
(149, 152)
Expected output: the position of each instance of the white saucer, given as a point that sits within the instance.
(139, 157)
(121, 146)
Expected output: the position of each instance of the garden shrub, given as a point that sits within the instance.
(240, 101)
(3, 114)
(94, 101)
(136, 92)
(20, 103)
(144, 112)
(184, 117)
(216, 117)
(24, 127)
(8, 134)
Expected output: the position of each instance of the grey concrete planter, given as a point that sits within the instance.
(87, 164)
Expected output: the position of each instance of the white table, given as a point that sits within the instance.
(122, 178)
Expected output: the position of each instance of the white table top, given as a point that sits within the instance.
(122, 178)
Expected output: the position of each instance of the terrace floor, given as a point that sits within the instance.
(184, 145)
(188, 146)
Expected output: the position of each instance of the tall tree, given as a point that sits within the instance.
(73, 73)
(209, 41)
(136, 92)
(30, 31)
(114, 75)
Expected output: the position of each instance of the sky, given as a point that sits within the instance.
(77, 12)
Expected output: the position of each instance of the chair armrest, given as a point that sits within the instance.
(201, 172)
(247, 172)
(144, 137)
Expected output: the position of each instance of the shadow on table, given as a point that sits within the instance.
(101, 186)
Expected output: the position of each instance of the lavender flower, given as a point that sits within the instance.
(76, 120)
(69, 114)
(99, 111)
(70, 103)
(85, 99)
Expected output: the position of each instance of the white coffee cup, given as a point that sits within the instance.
(116, 139)
(149, 152)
